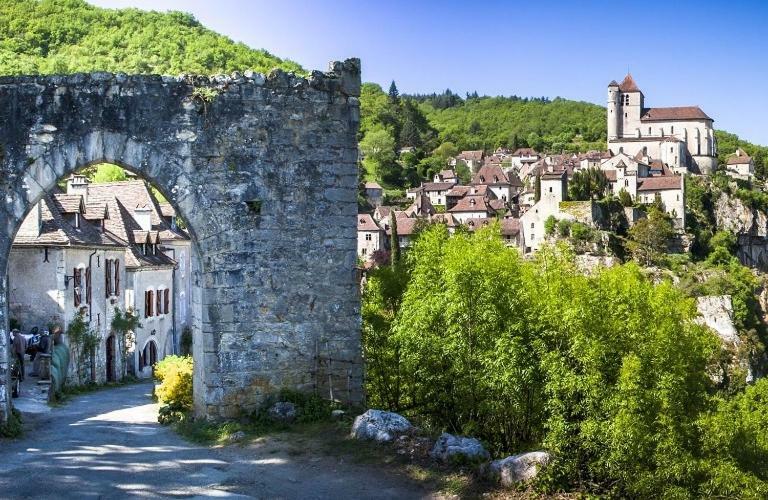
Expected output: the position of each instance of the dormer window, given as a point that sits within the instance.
(472, 202)
(482, 179)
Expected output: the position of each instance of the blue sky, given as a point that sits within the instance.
(711, 54)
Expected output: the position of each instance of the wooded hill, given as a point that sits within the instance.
(70, 36)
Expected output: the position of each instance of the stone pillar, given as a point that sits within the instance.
(5, 372)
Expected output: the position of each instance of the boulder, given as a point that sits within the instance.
(517, 468)
(450, 448)
(380, 426)
(282, 411)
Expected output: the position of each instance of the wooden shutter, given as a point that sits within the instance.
(88, 286)
(117, 277)
(147, 304)
(159, 310)
(167, 300)
(108, 277)
(76, 286)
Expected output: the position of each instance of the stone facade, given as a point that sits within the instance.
(265, 174)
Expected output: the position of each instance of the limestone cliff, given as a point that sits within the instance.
(749, 225)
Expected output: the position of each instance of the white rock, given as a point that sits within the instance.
(380, 426)
(522, 467)
(717, 313)
(449, 447)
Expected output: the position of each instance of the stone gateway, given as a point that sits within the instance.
(264, 171)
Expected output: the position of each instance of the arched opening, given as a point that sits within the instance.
(103, 244)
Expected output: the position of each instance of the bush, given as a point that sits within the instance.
(175, 390)
(13, 428)
(564, 228)
(549, 225)
(309, 407)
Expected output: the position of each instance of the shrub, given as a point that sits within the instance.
(175, 390)
(549, 225)
(309, 407)
(564, 228)
(13, 428)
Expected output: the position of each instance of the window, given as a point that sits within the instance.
(117, 277)
(531, 225)
(672, 131)
(148, 303)
(108, 278)
(167, 301)
(77, 286)
(159, 297)
(365, 251)
(367, 236)
(649, 130)
(550, 189)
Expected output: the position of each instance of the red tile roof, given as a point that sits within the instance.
(739, 158)
(366, 223)
(628, 84)
(437, 186)
(525, 152)
(674, 114)
(491, 175)
(660, 183)
(472, 203)
(372, 185)
(471, 155)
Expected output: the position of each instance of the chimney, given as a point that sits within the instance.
(143, 216)
(78, 184)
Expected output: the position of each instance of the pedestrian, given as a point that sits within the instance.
(19, 348)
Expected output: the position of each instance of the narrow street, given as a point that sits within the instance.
(108, 444)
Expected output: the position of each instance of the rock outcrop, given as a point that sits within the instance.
(380, 426)
(450, 448)
(517, 468)
(716, 312)
(750, 227)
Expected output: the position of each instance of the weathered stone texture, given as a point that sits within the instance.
(265, 175)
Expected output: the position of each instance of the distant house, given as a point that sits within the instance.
(446, 176)
(740, 165)
(374, 193)
(473, 159)
(524, 156)
(554, 189)
(406, 229)
(497, 181)
(472, 207)
(370, 236)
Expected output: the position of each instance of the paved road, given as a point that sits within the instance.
(108, 444)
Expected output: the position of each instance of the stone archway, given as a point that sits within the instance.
(264, 171)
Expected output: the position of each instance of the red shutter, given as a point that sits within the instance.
(167, 299)
(159, 303)
(108, 277)
(88, 286)
(76, 286)
(117, 277)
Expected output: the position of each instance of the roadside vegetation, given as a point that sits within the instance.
(608, 371)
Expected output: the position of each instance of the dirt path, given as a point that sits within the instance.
(108, 444)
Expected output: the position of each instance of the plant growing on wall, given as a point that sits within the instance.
(124, 324)
(83, 343)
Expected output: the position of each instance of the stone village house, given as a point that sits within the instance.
(100, 247)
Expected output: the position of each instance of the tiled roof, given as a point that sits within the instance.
(366, 223)
(673, 114)
(132, 195)
(405, 226)
(458, 191)
(497, 205)
(628, 84)
(437, 186)
(510, 226)
(447, 174)
(491, 175)
(167, 210)
(69, 203)
(57, 230)
(610, 175)
(470, 155)
(660, 183)
(445, 218)
(525, 152)
(472, 203)
(372, 185)
(514, 179)
(738, 158)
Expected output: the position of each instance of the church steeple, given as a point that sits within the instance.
(629, 85)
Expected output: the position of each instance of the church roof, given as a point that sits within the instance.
(628, 84)
(613, 84)
(674, 114)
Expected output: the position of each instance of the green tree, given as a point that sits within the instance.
(107, 172)
(588, 184)
(625, 198)
(537, 188)
(394, 240)
(394, 94)
(549, 225)
(462, 172)
(649, 238)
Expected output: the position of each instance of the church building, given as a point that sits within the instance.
(681, 137)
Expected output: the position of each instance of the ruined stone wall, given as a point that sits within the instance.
(263, 169)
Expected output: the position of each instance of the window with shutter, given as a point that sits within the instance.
(117, 277)
(76, 286)
(167, 300)
(108, 278)
(88, 286)
(159, 299)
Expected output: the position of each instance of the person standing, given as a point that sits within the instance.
(19, 348)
